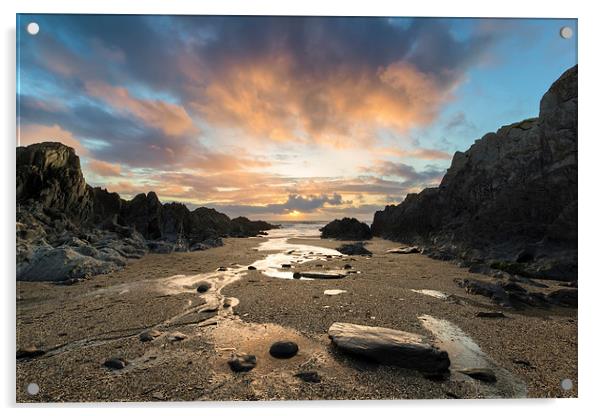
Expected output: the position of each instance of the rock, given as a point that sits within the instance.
(161, 247)
(222, 269)
(176, 336)
(347, 266)
(389, 346)
(203, 287)
(564, 297)
(284, 349)
(242, 362)
(354, 249)
(346, 229)
(56, 208)
(483, 374)
(512, 195)
(252, 268)
(334, 292)
(286, 266)
(309, 376)
(116, 363)
(490, 314)
(62, 264)
(150, 335)
(326, 274)
(404, 250)
(29, 352)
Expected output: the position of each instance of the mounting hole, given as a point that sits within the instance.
(33, 28)
(566, 384)
(566, 32)
(33, 389)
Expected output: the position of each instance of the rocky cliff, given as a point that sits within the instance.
(510, 201)
(68, 230)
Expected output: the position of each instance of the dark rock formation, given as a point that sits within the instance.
(389, 346)
(511, 198)
(353, 249)
(346, 229)
(67, 230)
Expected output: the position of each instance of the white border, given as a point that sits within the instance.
(590, 152)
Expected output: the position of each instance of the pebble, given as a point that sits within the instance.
(252, 268)
(176, 336)
(203, 287)
(147, 336)
(309, 376)
(284, 349)
(29, 352)
(115, 363)
(242, 362)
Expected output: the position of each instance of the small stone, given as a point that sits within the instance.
(242, 362)
(296, 275)
(115, 363)
(158, 395)
(222, 269)
(203, 287)
(176, 336)
(309, 376)
(334, 292)
(227, 303)
(286, 266)
(347, 266)
(29, 352)
(252, 268)
(490, 314)
(148, 336)
(284, 349)
(481, 374)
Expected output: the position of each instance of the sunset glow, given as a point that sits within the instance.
(278, 118)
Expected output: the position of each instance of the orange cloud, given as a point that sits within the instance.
(104, 168)
(37, 133)
(172, 119)
(267, 98)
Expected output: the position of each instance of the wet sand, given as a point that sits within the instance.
(82, 325)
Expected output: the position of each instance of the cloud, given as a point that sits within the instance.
(408, 172)
(103, 168)
(298, 203)
(37, 133)
(172, 119)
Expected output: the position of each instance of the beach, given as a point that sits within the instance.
(80, 326)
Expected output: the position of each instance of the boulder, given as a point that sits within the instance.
(354, 249)
(389, 346)
(60, 264)
(346, 229)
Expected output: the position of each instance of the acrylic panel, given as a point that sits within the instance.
(216, 208)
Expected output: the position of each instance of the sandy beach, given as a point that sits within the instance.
(82, 325)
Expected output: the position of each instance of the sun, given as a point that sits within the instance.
(294, 214)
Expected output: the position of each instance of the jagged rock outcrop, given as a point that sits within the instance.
(346, 229)
(68, 230)
(511, 199)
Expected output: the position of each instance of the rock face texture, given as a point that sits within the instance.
(346, 229)
(67, 230)
(510, 199)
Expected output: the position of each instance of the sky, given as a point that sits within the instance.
(278, 118)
